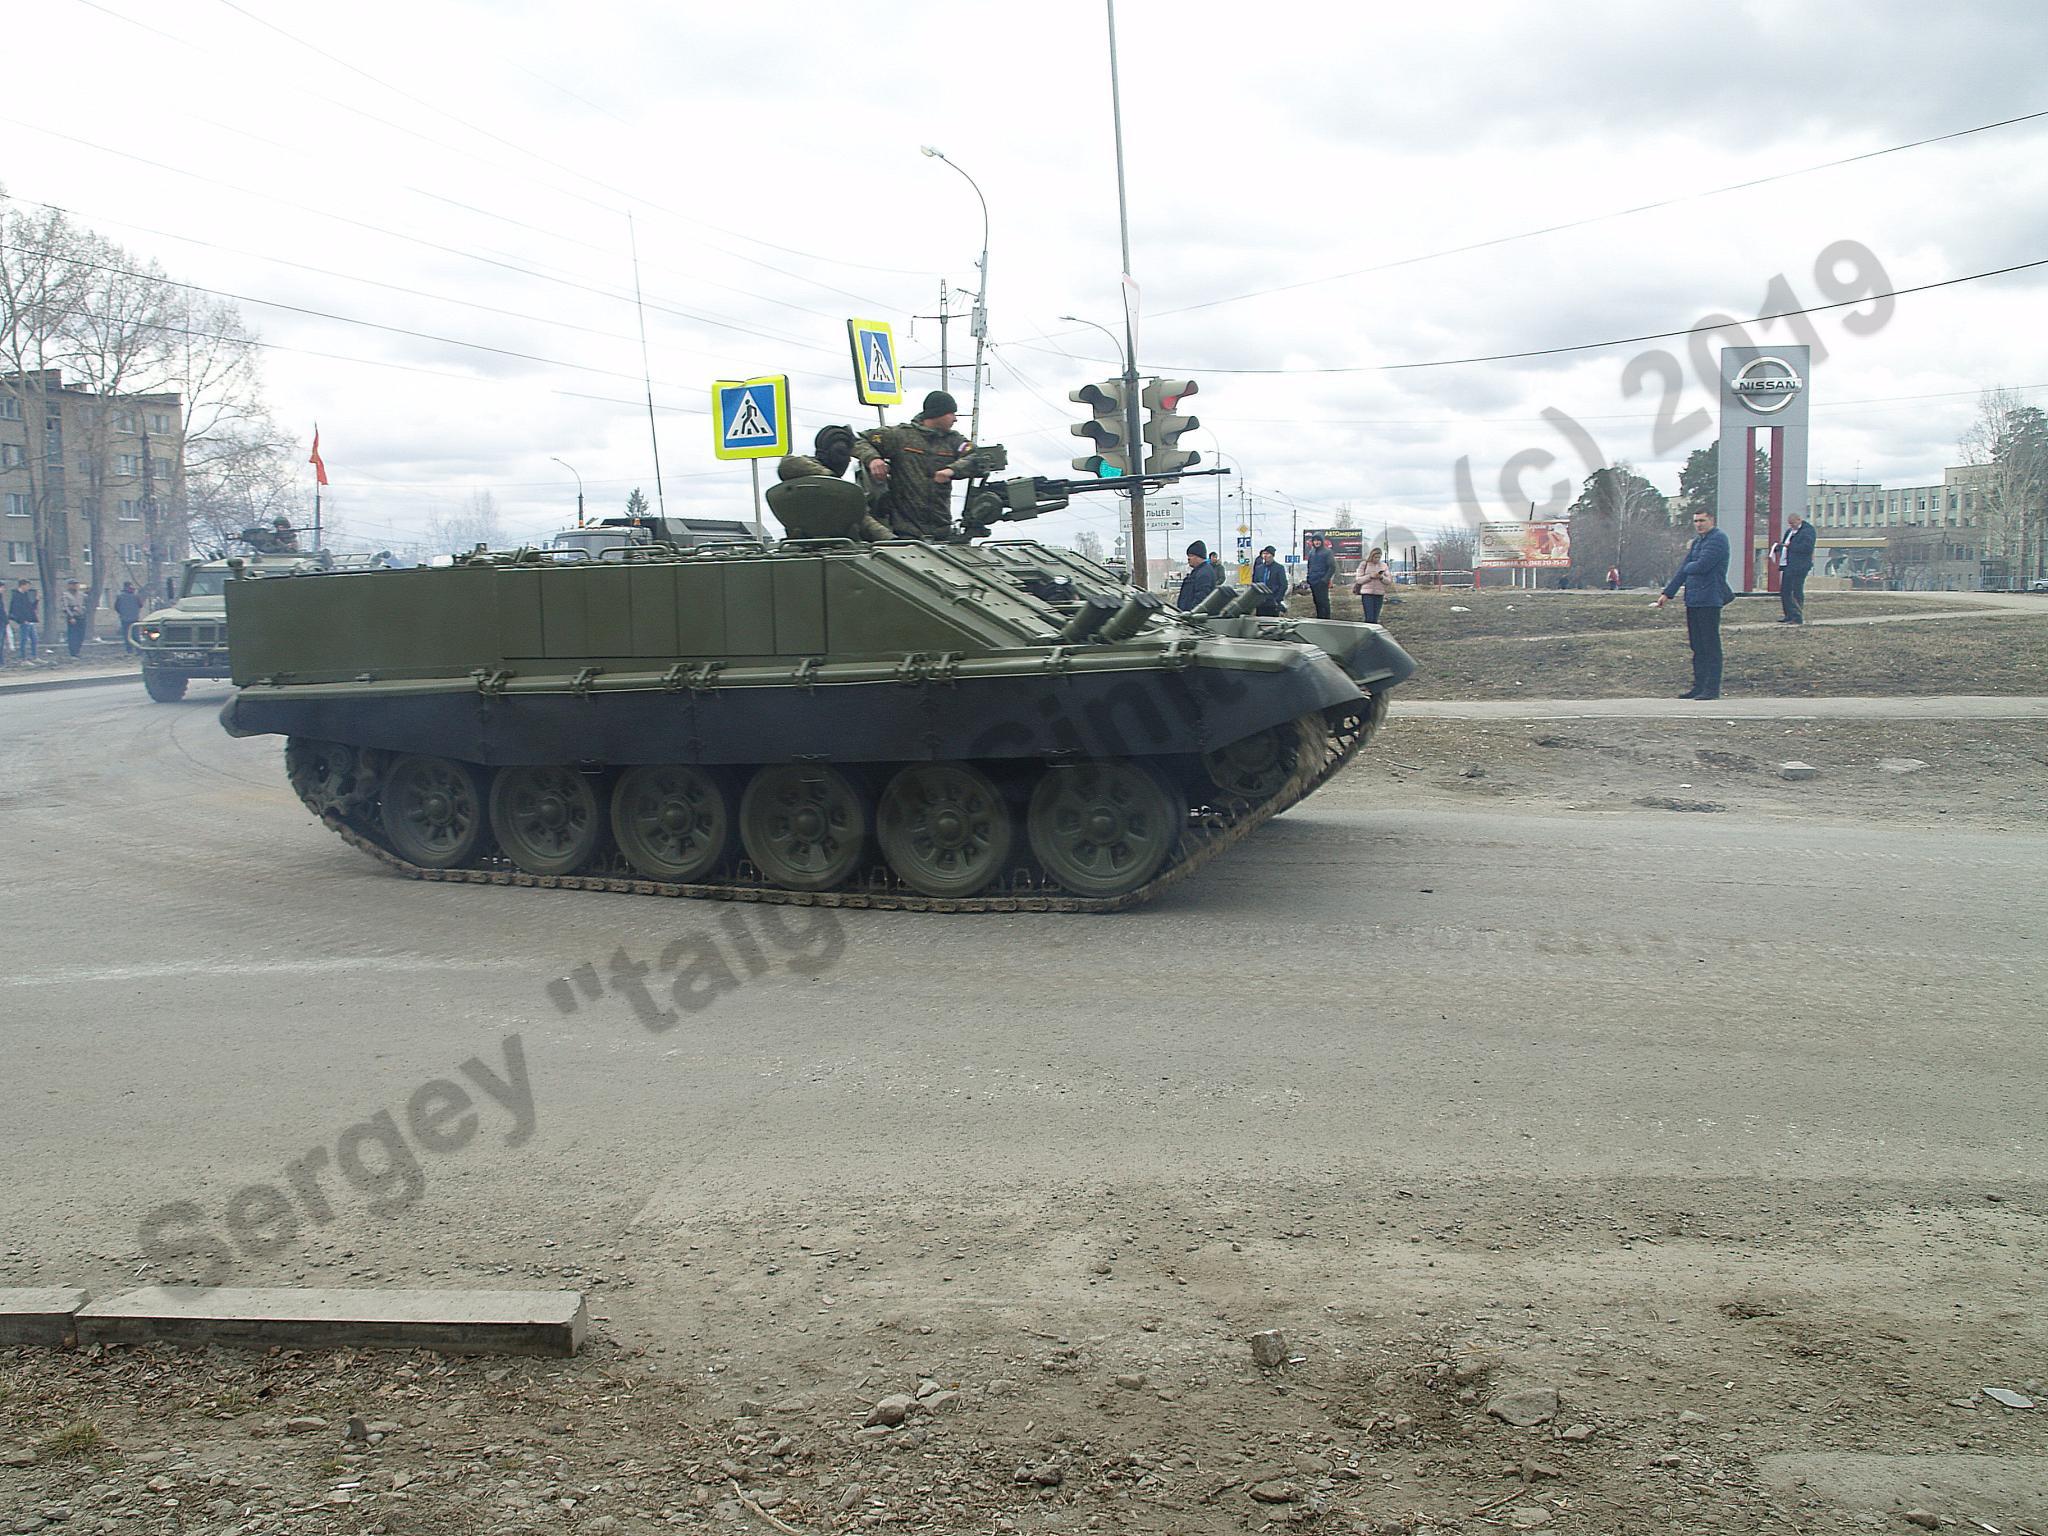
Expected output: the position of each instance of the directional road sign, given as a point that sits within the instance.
(875, 374)
(750, 418)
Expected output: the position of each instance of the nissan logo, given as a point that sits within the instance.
(1767, 392)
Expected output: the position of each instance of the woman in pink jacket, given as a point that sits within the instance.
(1375, 579)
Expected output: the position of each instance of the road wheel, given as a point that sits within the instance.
(433, 812)
(804, 825)
(1254, 767)
(164, 685)
(547, 820)
(323, 773)
(1102, 829)
(672, 821)
(946, 829)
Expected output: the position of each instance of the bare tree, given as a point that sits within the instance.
(477, 523)
(117, 351)
(1619, 519)
(2010, 438)
(1088, 544)
(41, 287)
(1452, 550)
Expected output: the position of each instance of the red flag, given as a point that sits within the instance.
(319, 468)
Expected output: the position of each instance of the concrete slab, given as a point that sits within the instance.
(38, 1314)
(453, 1322)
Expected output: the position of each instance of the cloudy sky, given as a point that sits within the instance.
(424, 209)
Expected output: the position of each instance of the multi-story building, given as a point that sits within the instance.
(118, 456)
(1933, 535)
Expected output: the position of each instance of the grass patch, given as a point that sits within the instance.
(72, 1440)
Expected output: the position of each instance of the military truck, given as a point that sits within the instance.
(188, 637)
(609, 538)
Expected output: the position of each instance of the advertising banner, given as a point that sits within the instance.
(1525, 544)
(1345, 543)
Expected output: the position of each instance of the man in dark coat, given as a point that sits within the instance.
(127, 608)
(24, 608)
(1322, 565)
(1704, 575)
(1203, 577)
(1795, 559)
(1268, 572)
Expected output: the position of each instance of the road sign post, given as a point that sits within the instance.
(750, 420)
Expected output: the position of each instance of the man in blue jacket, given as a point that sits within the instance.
(1704, 575)
(1322, 565)
(1203, 577)
(1795, 559)
(1269, 573)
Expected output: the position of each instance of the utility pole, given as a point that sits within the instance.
(944, 315)
(1132, 433)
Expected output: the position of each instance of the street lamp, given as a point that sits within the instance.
(980, 299)
(579, 486)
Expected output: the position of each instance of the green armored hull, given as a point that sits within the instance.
(904, 724)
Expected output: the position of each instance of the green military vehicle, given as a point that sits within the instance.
(909, 724)
(188, 638)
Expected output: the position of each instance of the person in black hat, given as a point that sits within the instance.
(910, 467)
(1204, 576)
(1269, 573)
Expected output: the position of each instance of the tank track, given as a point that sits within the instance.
(1328, 744)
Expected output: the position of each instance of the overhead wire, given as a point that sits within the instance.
(1602, 218)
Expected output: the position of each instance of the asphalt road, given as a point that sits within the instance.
(202, 988)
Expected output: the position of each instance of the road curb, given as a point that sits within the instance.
(100, 680)
(451, 1322)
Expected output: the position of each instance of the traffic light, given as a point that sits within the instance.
(1163, 428)
(1112, 456)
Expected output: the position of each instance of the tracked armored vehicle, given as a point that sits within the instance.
(934, 726)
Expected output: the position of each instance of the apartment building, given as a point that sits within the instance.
(137, 482)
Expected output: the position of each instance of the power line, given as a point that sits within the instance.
(419, 240)
(1601, 218)
(630, 196)
(1586, 346)
(351, 277)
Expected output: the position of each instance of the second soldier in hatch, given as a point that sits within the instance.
(911, 468)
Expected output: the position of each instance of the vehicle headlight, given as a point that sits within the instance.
(151, 632)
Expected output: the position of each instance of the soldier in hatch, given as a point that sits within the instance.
(822, 511)
(911, 468)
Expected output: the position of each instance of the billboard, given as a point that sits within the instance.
(1524, 544)
(1345, 543)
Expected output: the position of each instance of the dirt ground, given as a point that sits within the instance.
(1686, 1353)
(1614, 645)
(1985, 774)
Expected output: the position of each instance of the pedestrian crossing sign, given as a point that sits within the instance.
(750, 418)
(876, 377)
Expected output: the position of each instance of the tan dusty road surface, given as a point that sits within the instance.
(1708, 1143)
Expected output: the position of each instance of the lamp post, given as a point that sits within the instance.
(980, 299)
(579, 486)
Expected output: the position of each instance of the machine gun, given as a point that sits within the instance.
(1024, 497)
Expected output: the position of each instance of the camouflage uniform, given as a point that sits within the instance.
(911, 501)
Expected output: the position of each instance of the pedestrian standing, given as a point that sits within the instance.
(1322, 565)
(1703, 573)
(127, 608)
(1375, 579)
(71, 604)
(1203, 577)
(1795, 559)
(24, 608)
(1270, 576)
(1614, 578)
